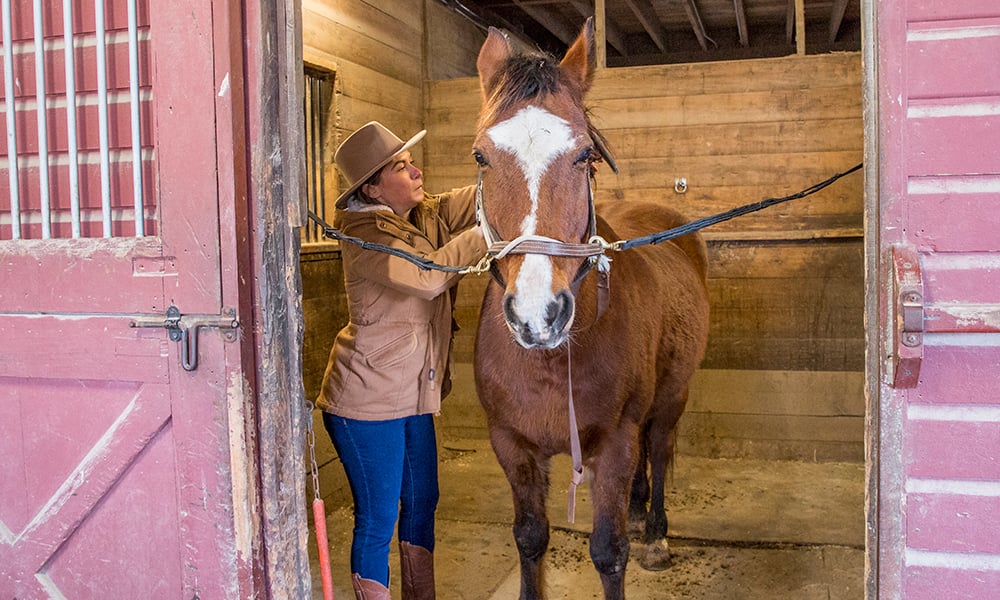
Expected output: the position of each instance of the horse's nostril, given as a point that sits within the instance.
(560, 310)
(508, 309)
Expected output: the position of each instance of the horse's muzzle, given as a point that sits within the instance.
(547, 328)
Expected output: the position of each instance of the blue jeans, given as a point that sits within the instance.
(392, 469)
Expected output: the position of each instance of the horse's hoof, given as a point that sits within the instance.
(655, 556)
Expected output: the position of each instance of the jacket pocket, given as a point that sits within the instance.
(392, 352)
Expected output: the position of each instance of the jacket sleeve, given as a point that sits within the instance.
(402, 275)
(458, 208)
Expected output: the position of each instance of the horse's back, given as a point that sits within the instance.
(634, 219)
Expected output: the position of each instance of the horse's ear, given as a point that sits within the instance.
(581, 59)
(495, 50)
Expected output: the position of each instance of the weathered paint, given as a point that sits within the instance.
(124, 475)
(938, 474)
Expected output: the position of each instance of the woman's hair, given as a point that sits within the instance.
(373, 180)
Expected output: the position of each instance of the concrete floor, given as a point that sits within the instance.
(739, 529)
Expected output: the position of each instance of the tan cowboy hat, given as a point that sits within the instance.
(366, 151)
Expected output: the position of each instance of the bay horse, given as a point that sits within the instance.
(630, 367)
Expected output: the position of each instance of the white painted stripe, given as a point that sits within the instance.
(963, 340)
(963, 413)
(964, 561)
(80, 40)
(82, 99)
(929, 34)
(954, 261)
(958, 184)
(87, 215)
(88, 157)
(956, 487)
(957, 108)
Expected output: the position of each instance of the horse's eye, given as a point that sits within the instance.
(480, 159)
(586, 157)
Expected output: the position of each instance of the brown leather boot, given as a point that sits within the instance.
(417, 565)
(369, 589)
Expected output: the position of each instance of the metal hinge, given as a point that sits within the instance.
(906, 317)
(184, 329)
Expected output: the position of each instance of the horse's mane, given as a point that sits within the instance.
(528, 75)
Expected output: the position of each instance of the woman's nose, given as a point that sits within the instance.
(415, 172)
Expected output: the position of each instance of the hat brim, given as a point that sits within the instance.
(346, 195)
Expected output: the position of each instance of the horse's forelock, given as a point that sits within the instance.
(523, 77)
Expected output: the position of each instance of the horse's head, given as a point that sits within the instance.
(535, 148)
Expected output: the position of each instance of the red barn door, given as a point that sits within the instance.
(123, 472)
(934, 241)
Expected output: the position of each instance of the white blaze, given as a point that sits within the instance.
(535, 137)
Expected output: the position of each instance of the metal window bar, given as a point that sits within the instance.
(43, 129)
(9, 99)
(133, 86)
(102, 116)
(74, 167)
(47, 212)
(317, 99)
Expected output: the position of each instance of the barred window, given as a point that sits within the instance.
(321, 185)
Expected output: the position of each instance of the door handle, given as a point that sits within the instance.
(184, 329)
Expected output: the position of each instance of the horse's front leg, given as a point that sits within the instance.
(528, 473)
(610, 485)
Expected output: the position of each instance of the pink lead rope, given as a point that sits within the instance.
(574, 444)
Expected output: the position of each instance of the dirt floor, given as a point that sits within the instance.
(739, 529)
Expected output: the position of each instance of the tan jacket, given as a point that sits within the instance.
(390, 360)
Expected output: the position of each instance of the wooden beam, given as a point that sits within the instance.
(800, 27)
(741, 22)
(836, 18)
(695, 19)
(548, 19)
(612, 34)
(601, 30)
(643, 10)
(790, 22)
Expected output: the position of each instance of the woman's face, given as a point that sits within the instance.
(400, 185)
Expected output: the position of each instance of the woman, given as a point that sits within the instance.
(388, 367)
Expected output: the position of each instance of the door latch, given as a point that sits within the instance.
(184, 329)
(906, 317)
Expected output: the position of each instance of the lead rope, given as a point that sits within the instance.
(319, 512)
(574, 443)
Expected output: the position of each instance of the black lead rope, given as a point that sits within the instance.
(699, 224)
(421, 261)
(655, 238)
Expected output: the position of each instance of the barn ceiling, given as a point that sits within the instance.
(674, 31)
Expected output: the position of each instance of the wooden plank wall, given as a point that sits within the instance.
(783, 376)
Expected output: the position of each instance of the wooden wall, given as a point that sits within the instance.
(783, 376)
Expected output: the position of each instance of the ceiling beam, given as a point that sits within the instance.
(790, 22)
(741, 22)
(836, 18)
(695, 19)
(800, 27)
(643, 10)
(549, 19)
(611, 31)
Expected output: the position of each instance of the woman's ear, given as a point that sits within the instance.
(372, 191)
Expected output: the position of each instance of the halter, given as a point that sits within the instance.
(593, 250)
